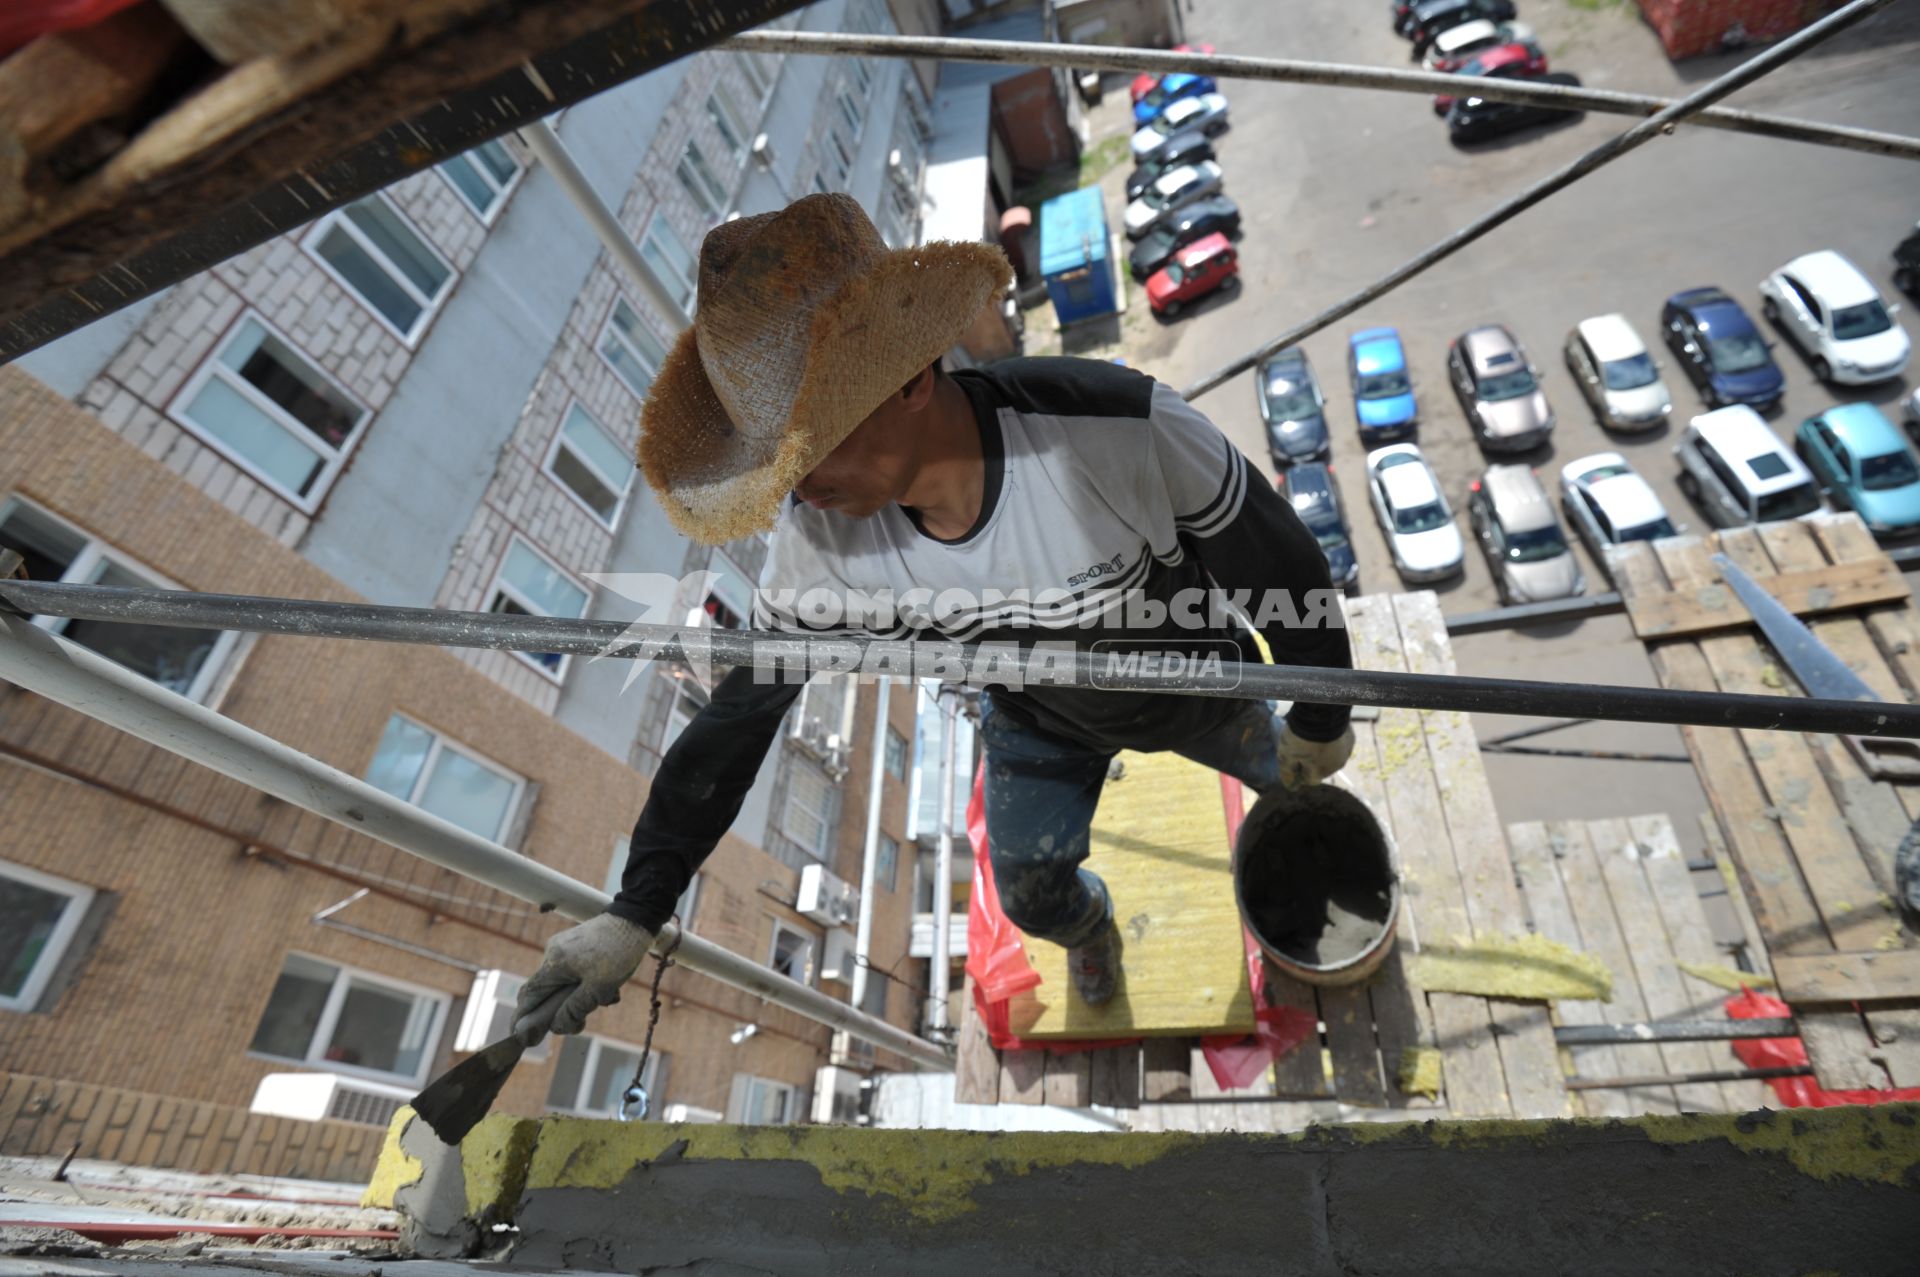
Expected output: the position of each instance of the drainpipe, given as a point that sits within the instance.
(943, 865)
(863, 937)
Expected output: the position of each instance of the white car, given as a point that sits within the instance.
(1414, 514)
(1206, 112)
(1835, 315)
(1614, 370)
(1169, 191)
(1457, 44)
(1609, 504)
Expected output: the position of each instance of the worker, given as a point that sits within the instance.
(808, 398)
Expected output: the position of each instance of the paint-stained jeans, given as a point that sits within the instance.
(1040, 795)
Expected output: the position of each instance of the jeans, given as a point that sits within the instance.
(1041, 792)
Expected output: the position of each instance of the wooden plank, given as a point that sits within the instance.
(1895, 629)
(1706, 606)
(1601, 936)
(1023, 1076)
(1753, 947)
(976, 1065)
(1116, 1077)
(1848, 977)
(1166, 1069)
(1347, 1011)
(1069, 1080)
(1159, 842)
(237, 31)
(1535, 861)
(1896, 1032)
(1300, 1073)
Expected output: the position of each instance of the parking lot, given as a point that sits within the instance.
(1337, 186)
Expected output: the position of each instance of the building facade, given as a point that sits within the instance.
(431, 397)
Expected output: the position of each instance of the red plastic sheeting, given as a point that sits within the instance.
(23, 20)
(1773, 1053)
(1689, 27)
(113, 1234)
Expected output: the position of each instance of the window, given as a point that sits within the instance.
(589, 464)
(886, 862)
(331, 1017)
(272, 412)
(181, 660)
(483, 176)
(839, 156)
(808, 818)
(39, 915)
(791, 954)
(617, 868)
(729, 600)
(726, 122)
(697, 176)
(436, 775)
(672, 264)
(375, 252)
(689, 698)
(897, 755)
(850, 111)
(874, 1000)
(820, 182)
(530, 585)
(862, 74)
(758, 1101)
(630, 348)
(593, 1074)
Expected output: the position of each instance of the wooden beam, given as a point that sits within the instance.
(1848, 977)
(1704, 606)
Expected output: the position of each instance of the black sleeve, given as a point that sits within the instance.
(698, 791)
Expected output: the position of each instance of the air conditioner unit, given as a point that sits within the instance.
(827, 900)
(843, 1048)
(762, 149)
(488, 1016)
(688, 1113)
(836, 1096)
(837, 961)
(316, 1097)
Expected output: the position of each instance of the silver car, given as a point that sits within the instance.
(1512, 518)
(1499, 390)
(1614, 370)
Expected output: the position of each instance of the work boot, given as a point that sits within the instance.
(1095, 966)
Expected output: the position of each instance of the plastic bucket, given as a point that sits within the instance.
(1314, 876)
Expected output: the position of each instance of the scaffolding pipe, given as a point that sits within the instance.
(938, 974)
(1607, 152)
(1056, 664)
(1084, 57)
(90, 684)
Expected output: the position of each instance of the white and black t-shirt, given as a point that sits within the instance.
(1102, 486)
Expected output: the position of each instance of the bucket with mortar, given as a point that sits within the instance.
(1313, 872)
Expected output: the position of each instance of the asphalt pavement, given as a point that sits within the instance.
(1337, 186)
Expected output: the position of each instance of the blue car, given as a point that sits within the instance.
(1863, 463)
(1382, 389)
(1172, 87)
(1720, 350)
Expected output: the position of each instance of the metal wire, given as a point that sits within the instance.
(981, 664)
(1325, 74)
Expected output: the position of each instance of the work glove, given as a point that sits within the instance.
(1308, 762)
(587, 964)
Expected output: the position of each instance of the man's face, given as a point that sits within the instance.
(872, 467)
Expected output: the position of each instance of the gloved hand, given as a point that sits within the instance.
(592, 960)
(1308, 762)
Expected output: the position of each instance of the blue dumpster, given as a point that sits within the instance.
(1074, 257)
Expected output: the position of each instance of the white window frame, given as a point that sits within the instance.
(906, 754)
(892, 878)
(697, 178)
(683, 287)
(443, 743)
(595, 1045)
(79, 900)
(333, 458)
(825, 814)
(737, 1102)
(840, 152)
(96, 554)
(689, 899)
(501, 585)
(500, 191)
(782, 927)
(429, 306)
(622, 487)
(862, 75)
(851, 111)
(689, 687)
(610, 329)
(725, 118)
(330, 1020)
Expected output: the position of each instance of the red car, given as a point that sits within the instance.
(1196, 270)
(1144, 82)
(1508, 62)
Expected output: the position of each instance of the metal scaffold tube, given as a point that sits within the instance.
(1058, 664)
(73, 676)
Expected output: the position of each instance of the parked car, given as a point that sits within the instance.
(1214, 215)
(1607, 503)
(1294, 410)
(1196, 270)
(1143, 83)
(1208, 113)
(1478, 119)
(1618, 376)
(1858, 456)
(1310, 488)
(1181, 186)
(1172, 87)
(1432, 17)
(1414, 514)
(1738, 472)
(1503, 62)
(1383, 400)
(1188, 147)
(1906, 263)
(1499, 389)
(1912, 402)
(1720, 350)
(1456, 46)
(1835, 315)
(1513, 519)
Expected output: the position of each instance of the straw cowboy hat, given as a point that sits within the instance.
(807, 322)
